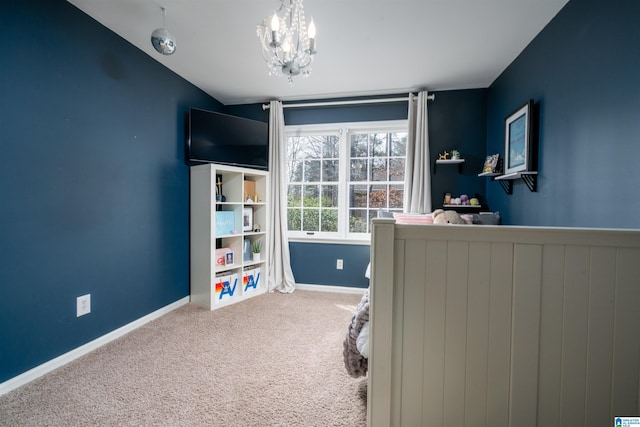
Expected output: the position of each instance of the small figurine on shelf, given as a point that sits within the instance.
(443, 156)
(219, 186)
(248, 198)
(447, 199)
(256, 198)
(256, 228)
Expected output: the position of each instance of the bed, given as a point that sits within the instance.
(502, 326)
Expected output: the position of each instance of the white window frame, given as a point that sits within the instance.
(342, 130)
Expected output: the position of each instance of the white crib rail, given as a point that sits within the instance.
(503, 326)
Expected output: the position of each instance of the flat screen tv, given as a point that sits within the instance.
(225, 139)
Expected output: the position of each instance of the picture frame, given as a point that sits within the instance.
(517, 140)
(491, 163)
(247, 219)
(229, 258)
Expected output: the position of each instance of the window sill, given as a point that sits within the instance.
(329, 241)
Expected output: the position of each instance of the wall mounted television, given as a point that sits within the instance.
(230, 140)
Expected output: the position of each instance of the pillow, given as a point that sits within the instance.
(487, 218)
(407, 218)
(467, 218)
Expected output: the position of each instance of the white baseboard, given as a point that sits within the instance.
(70, 356)
(328, 288)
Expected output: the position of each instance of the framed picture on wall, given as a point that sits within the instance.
(247, 219)
(517, 140)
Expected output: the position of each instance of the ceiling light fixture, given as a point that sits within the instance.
(288, 45)
(161, 39)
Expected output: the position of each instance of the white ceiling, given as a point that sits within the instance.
(365, 47)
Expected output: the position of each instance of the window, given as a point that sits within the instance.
(339, 176)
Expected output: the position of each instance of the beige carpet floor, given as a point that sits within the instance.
(272, 360)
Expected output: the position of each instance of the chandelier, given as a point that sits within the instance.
(288, 45)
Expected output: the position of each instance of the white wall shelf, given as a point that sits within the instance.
(458, 162)
(463, 206)
(450, 161)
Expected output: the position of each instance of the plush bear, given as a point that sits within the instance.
(447, 217)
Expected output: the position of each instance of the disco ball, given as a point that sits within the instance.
(163, 41)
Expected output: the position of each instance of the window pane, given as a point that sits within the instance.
(313, 147)
(378, 197)
(378, 170)
(310, 220)
(330, 196)
(359, 147)
(295, 148)
(295, 171)
(396, 169)
(331, 148)
(294, 198)
(311, 196)
(378, 143)
(329, 219)
(358, 220)
(312, 170)
(398, 144)
(330, 170)
(396, 194)
(358, 170)
(294, 222)
(358, 196)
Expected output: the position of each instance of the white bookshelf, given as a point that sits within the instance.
(217, 224)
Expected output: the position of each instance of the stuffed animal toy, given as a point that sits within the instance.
(447, 217)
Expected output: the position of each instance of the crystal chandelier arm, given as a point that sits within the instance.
(307, 61)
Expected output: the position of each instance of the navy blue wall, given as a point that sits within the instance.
(249, 111)
(457, 120)
(94, 191)
(347, 113)
(583, 71)
(315, 264)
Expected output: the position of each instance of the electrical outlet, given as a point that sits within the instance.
(339, 264)
(83, 305)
